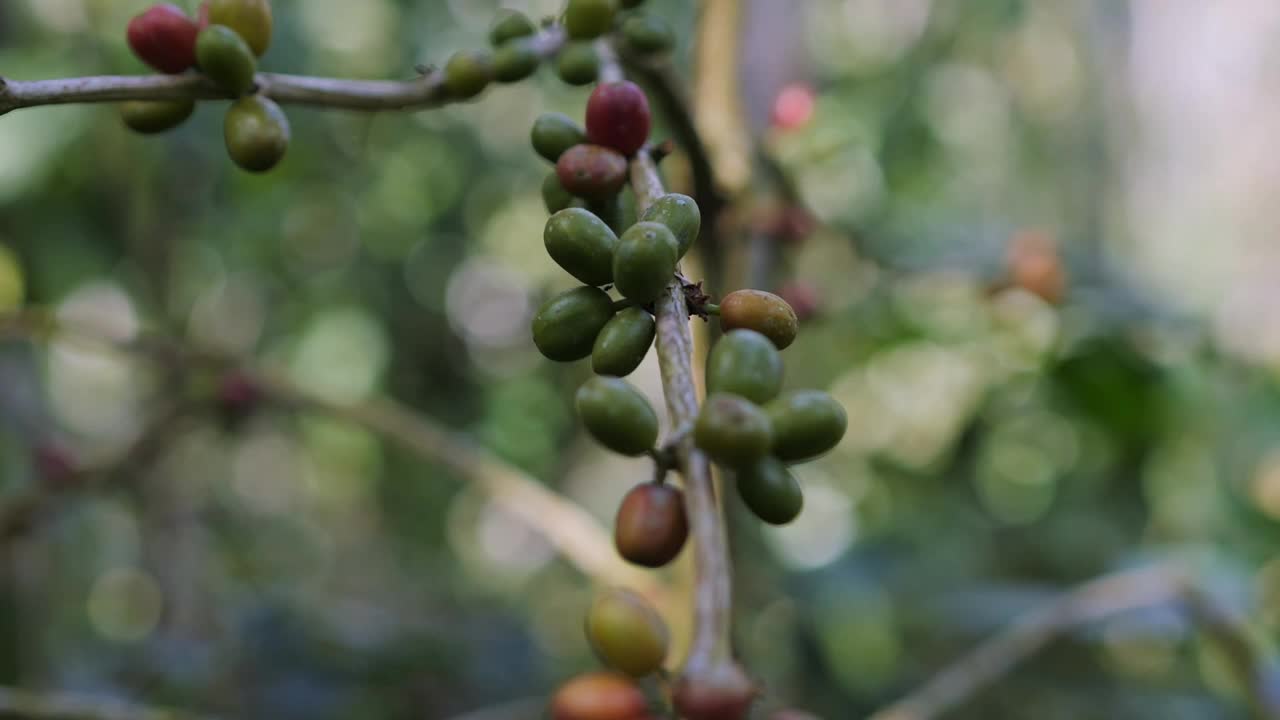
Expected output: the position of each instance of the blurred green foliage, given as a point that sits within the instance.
(1001, 448)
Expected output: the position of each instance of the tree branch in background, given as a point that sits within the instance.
(569, 528)
(56, 706)
(713, 593)
(1093, 601)
(421, 93)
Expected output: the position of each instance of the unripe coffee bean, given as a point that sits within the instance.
(599, 696)
(721, 693)
(251, 19)
(154, 116)
(578, 63)
(770, 491)
(745, 363)
(618, 117)
(733, 431)
(566, 326)
(554, 133)
(648, 34)
(554, 196)
(623, 343)
(592, 172)
(256, 132)
(468, 73)
(588, 19)
(644, 261)
(806, 424)
(226, 59)
(652, 525)
(582, 244)
(761, 311)
(515, 61)
(509, 25)
(681, 216)
(626, 633)
(164, 37)
(617, 415)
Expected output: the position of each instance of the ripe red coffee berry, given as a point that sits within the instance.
(164, 38)
(618, 117)
(652, 525)
(592, 172)
(720, 693)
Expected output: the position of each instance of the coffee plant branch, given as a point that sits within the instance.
(424, 92)
(573, 531)
(1091, 602)
(713, 599)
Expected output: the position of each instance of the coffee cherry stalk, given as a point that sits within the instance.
(747, 426)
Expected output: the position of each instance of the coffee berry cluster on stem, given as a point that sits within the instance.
(616, 238)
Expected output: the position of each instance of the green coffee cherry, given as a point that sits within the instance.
(651, 526)
(806, 424)
(761, 311)
(226, 59)
(732, 430)
(681, 216)
(554, 195)
(509, 25)
(644, 261)
(582, 244)
(627, 633)
(251, 19)
(770, 491)
(578, 63)
(745, 363)
(623, 343)
(554, 133)
(468, 73)
(256, 132)
(589, 19)
(648, 34)
(617, 415)
(515, 61)
(618, 212)
(566, 326)
(155, 116)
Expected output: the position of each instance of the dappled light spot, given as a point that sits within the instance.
(125, 604)
(341, 354)
(824, 530)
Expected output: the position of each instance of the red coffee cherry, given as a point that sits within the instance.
(599, 696)
(652, 525)
(164, 38)
(592, 172)
(238, 397)
(722, 693)
(618, 117)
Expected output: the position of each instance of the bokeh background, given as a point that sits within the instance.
(1039, 242)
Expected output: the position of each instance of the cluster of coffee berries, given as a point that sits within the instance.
(224, 42)
(747, 424)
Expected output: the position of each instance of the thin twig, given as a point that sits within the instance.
(574, 532)
(1098, 599)
(28, 705)
(426, 91)
(713, 592)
